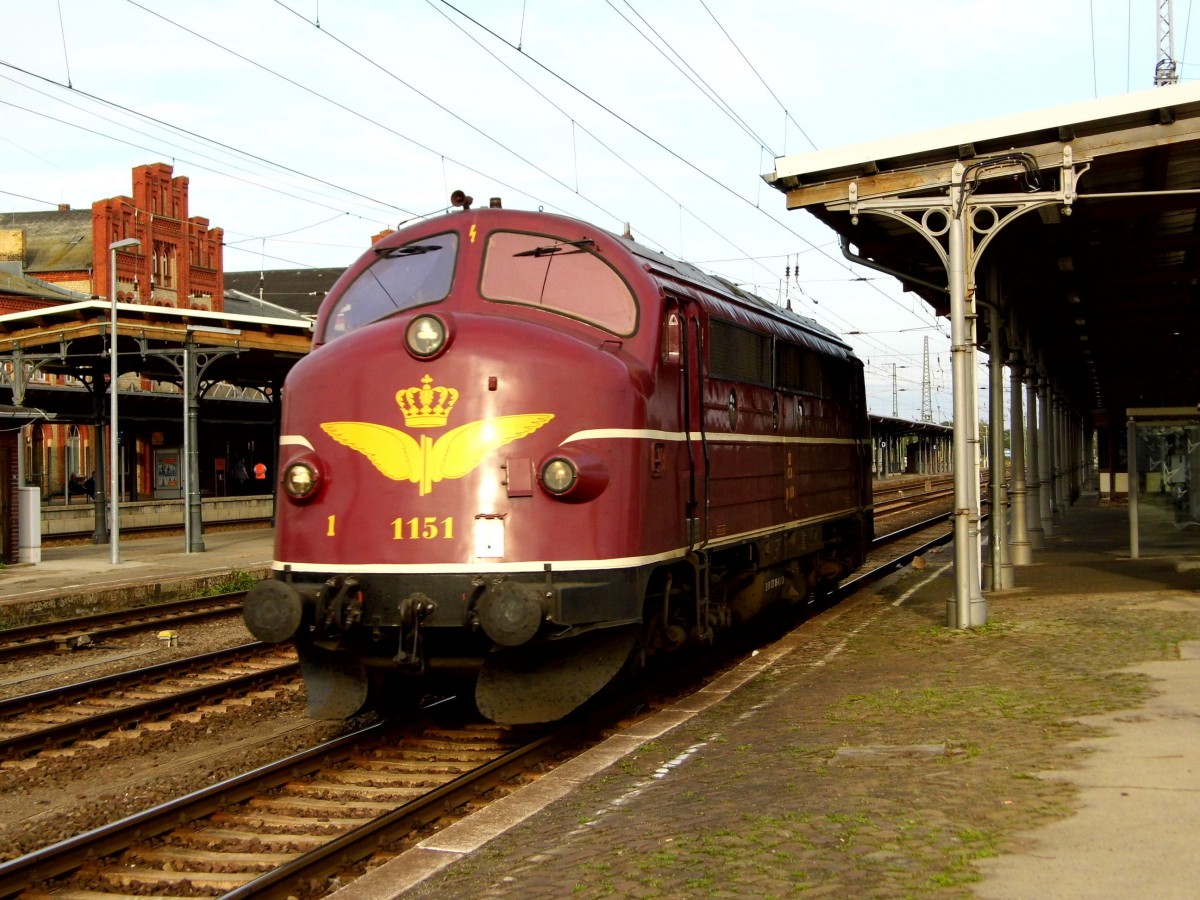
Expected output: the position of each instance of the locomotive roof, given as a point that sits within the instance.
(687, 272)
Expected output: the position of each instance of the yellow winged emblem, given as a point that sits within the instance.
(422, 460)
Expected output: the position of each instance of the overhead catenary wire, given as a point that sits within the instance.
(190, 162)
(268, 237)
(390, 74)
(689, 212)
(656, 142)
(694, 77)
(30, 199)
(62, 30)
(348, 109)
(786, 115)
(174, 128)
(381, 68)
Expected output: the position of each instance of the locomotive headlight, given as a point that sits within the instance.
(300, 480)
(558, 475)
(425, 336)
(573, 475)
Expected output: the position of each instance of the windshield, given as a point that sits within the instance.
(567, 277)
(400, 278)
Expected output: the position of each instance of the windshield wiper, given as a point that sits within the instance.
(555, 248)
(407, 250)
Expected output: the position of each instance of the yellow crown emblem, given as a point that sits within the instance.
(426, 406)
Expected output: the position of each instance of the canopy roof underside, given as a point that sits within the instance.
(1101, 288)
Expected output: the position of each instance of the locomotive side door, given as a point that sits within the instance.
(683, 345)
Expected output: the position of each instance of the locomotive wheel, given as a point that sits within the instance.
(545, 682)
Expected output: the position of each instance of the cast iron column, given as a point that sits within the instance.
(1021, 552)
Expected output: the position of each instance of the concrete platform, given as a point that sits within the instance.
(72, 579)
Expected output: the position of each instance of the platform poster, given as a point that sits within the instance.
(166, 474)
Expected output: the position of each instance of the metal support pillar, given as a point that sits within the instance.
(998, 550)
(1087, 452)
(1077, 467)
(1131, 468)
(193, 511)
(100, 526)
(967, 607)
(1045, 458)
(191, 363)
(959, 222)
(1071, 446)
(1019, 549)
(1071, 455)
(1057, 460)
(1037, 537)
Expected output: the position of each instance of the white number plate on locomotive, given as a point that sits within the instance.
(489, 537)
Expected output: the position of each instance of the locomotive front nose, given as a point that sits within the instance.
(510, 613)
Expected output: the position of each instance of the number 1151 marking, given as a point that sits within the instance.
(426, 528)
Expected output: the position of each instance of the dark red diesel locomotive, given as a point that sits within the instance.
(529, 446)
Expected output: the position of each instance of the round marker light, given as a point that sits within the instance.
(558, 475)
(300, 480)
(425, 336)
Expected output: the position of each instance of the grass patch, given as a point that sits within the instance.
(235, 581)
(934, 701)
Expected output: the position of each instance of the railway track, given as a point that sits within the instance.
(282, 828)
(285, 829)
(68, 634)
(936, 489)
(90, 709)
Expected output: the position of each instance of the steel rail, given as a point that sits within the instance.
(356, 845)
(84, 690)
(73, 853)
(900, 533)
(900, 504)
(50, 635)
(67, 855)
(881, 571)
(110, 720)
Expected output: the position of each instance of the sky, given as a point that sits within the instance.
(307, 126)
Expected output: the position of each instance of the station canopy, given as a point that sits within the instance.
(226, 351)
(1102, 285)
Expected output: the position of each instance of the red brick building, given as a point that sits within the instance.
(179, 262)
(45, 256)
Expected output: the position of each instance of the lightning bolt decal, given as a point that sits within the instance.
(472, 234)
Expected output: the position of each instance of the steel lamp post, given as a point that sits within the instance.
(114, 478)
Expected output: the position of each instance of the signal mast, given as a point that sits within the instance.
(1165, 71)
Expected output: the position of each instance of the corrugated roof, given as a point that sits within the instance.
(239, 304)
(57, 241)
(27, 286)
(298, 289)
